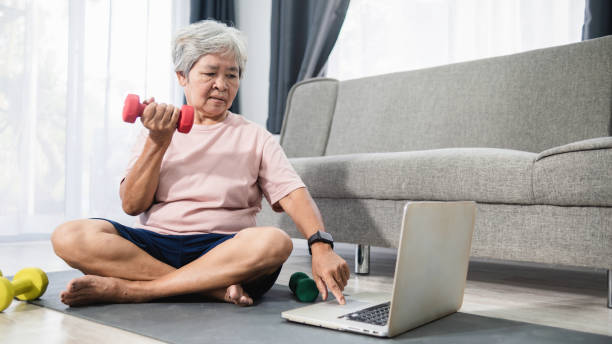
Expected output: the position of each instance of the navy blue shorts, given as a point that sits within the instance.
(180, 250)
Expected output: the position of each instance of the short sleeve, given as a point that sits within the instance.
(277, 178)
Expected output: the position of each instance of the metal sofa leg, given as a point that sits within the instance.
(609, 288)
(362, 259)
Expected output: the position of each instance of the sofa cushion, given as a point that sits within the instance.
(480, 174)
(576, 174)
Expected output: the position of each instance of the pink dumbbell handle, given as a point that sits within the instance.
(132, 109)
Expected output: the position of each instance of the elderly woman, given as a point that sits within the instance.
(197, 195)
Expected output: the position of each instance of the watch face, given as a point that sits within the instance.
(320, 236)
(326, 236)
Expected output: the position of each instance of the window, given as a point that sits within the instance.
(386, 36)
(65, 70)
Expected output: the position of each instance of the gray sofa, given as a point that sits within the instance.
(527, 136)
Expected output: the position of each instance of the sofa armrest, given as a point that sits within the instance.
(584, 145)
(576, 174)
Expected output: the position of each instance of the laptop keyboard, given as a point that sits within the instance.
(375, 315)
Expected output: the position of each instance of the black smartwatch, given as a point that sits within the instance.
(320, 237)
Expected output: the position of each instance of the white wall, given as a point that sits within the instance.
(253, 18)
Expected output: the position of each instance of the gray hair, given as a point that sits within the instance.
(207, 37)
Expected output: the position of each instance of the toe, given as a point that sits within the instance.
(73, 285)
(246, 301)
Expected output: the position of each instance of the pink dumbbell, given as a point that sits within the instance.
(133, 108)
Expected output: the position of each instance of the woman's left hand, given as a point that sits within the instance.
(329, 271)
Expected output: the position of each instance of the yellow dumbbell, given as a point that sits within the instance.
(28, 284)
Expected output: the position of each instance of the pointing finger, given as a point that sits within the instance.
(333, 287)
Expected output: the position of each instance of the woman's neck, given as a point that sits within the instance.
(202, 119)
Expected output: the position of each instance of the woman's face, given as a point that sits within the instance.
(211, 87)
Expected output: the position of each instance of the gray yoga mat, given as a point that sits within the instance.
(190, 320)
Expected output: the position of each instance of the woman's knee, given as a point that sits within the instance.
(286, 246)
(279, 243)
(65, 235)
(70, 239)
(271, 246)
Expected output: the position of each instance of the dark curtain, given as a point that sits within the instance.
(219, 10)
(303, 34)
(597, 19)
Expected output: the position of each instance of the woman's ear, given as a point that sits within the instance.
(181, 79)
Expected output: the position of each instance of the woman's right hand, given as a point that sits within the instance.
(160, 119)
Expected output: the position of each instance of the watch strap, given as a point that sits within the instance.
(320, 236)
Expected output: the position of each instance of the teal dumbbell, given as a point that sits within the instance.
(303, 287)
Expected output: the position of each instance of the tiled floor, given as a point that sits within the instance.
(572, 299)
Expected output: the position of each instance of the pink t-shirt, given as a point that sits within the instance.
(212, 179)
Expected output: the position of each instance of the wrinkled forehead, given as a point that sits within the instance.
(216, 61)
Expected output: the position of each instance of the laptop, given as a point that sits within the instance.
(430, 275)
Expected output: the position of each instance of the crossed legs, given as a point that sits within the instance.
(118, 271)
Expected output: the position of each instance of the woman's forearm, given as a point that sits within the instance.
(302, 209)
(138, 189)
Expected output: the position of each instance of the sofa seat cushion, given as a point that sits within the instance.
(576, 174)
(480, 174)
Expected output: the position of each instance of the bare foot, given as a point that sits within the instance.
(236, 295)
(90, 289)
